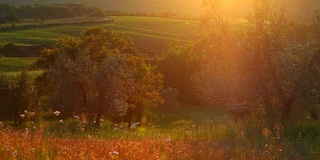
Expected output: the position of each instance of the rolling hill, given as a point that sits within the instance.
(150, 34)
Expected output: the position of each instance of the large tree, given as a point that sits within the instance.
(259, 65)
(99, 73)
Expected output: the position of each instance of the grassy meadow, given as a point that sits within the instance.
(12, 67)
(193, 132)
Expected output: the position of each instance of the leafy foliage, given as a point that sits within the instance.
(178, 65)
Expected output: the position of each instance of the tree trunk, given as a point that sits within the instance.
(266, 98)
(287, 107)
(160, 112)
(98, 122)
(314, 114)
(84, 97)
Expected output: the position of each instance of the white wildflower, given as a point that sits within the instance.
(114, 153)
(32, 113)
(133, 126)
(15, 153)
(22, 115)
(57, 113)
(27, 130)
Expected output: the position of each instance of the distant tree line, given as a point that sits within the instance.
(41, 12)
(164, 14)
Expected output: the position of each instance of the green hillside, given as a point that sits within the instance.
(149, 33)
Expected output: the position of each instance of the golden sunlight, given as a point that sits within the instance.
(236, 7)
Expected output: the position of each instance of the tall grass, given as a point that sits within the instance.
(184, 138)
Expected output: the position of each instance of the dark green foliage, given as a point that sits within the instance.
(8, 13)
(12, 50)
(170, 96)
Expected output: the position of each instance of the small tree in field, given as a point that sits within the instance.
(177, 65)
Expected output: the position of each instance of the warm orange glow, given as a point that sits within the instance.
(238, 7)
